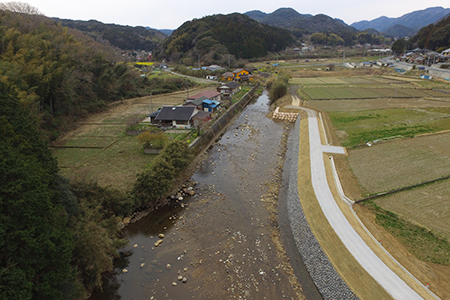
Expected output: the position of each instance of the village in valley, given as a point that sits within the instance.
(251, 155)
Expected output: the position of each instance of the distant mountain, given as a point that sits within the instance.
(323, 23)
(399, 31)
(304, 24)
(167, 32)
(282, 17)
(123, 37)
(211, 39)
(414, 20)
(256, 15)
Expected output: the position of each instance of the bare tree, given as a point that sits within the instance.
(20, 7)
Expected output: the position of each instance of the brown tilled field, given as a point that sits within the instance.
(400, 163)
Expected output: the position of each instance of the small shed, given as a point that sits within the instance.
(210, 105)
(151, 117)
(201, 118)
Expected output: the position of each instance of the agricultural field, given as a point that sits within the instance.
(427, 205)
(379, 103)
(401, 163)
(100, 148)
(370, 87)
(373, 126)
(338, 93)
(397, 134)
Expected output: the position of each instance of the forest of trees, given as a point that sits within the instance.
(122, 37)
(434, 36)
(211, 39)
(58, 237)
(61, 74)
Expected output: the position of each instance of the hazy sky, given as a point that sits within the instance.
(170, 14)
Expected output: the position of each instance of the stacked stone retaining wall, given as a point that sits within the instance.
(322, 272)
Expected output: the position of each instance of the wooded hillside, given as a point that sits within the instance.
(212, 38)
(434, 36)
(122, 37)
(59, 73)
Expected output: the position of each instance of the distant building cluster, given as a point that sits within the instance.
(424, 57)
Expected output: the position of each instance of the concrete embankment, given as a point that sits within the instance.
(203, 141)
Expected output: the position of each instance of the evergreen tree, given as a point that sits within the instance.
(36, 244)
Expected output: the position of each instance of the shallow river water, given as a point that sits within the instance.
(224, 242)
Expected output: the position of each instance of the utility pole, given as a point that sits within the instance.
(187, 89)
(151, 103)
(343, 57)
(228, 61)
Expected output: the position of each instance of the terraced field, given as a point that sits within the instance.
(100, 148)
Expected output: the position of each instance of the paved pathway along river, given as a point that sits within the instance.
(224, 240)
(354, 243)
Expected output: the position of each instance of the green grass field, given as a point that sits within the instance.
(342, 93)
(371, 125)
(359, 80)
(422, 243)
(366, 93)
(318, 93)
(332, 80)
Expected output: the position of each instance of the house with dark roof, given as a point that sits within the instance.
(176, 116)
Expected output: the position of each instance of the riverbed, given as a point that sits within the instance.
(224, 242)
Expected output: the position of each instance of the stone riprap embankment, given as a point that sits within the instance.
(322, 272)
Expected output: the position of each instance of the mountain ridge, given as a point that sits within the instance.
(120, 36)
(414, 20)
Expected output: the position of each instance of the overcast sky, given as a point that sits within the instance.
(170, 14)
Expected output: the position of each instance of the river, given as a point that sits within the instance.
(226, 242)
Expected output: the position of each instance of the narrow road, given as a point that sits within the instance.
(392, 283)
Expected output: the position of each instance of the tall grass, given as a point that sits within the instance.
(421, 242)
